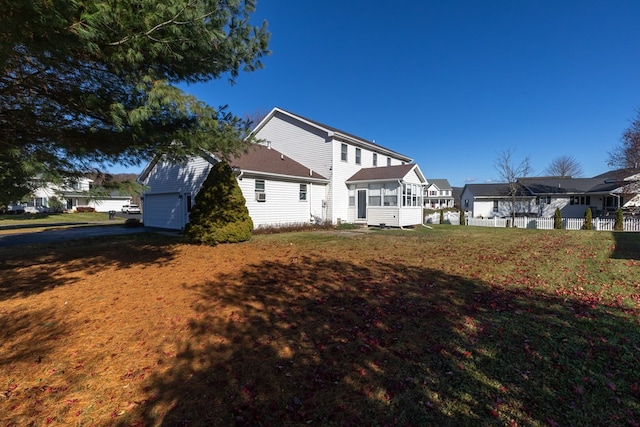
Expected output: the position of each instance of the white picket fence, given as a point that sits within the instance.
(600, 224)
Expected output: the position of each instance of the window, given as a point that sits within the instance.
(358, 156)
(375, 159)
(343, 152)
(495, 206)
(375, 195)
(303, 192)
(433, 193)
(411, 195)
(388, 161)
(466, 203)
(352, 197)
(406, 193)
(390, 195)
(261, 195)
(580, 200)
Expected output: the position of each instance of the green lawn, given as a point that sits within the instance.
(448, 326)
(53, 218)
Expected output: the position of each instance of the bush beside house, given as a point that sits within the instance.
(220, 214)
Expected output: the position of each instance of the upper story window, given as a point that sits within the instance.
(358, 156)
(388, 161)
(375, 159)
(303, 192)
(343, 152)
(495, 206)
(433, 193)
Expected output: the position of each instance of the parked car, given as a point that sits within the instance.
(15, 209)
(131, 209)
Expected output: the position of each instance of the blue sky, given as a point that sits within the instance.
(453, 83)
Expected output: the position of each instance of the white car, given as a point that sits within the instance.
(131, 209)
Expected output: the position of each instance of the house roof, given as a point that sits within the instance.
(607, 182)
(385, 173)
(494, 190)
(442, 184)
(334, 132)
(265, 160)
(619, 174)
(259, 160)
(559, 185)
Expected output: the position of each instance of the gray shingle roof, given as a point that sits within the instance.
(494, 190)
(442, 184)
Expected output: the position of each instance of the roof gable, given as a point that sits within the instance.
(385, 173)
(441, 184)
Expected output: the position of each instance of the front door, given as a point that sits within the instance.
(362, 204)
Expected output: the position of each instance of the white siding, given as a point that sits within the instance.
(411, 216)
(384, 215)
(482, 208)
(320, 152)
(161, 205)
(282, 205)
(303, 143)
(106, 205)
(164, 211)
(318, 197)
(185, 177)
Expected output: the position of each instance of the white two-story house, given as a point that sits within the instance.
(300, 171)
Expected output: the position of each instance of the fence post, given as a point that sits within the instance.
(597, 224)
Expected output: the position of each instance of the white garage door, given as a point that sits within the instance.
(164, 211)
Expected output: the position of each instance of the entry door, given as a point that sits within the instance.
(362, 204)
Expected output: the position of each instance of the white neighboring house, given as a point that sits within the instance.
(438, 194)
(72, 195)
(301, 171)
(541, 196)
(493, 200)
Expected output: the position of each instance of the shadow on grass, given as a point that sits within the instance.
(627, 245)
(28, 270)
(317, 341)
(33, 336)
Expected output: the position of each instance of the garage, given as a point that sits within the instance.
(167, 210)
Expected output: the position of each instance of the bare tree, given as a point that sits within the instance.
(564, 166)
(256, 117)
(509, 173)
(626, 155)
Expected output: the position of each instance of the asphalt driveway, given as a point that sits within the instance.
(68, 233)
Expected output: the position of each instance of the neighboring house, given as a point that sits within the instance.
(46, 197)
(438, 194)
(491, 200)
(301, 171)
(541, 196)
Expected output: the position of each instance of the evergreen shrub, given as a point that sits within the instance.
(220, 214)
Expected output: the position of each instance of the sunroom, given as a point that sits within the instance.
(388, 196)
